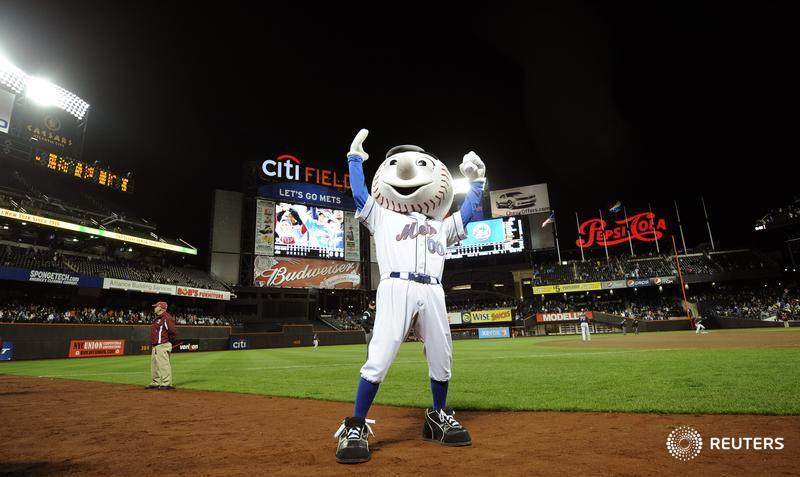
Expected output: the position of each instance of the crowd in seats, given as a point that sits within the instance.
(625, 266)
(786, 215)
(343, 321)
(656, 308)
(766, 303)
(40, 258)
(23, 312)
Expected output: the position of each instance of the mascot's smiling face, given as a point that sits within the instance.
(412, 180)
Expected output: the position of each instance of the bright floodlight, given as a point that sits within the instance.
(461, 186)
(41, 91)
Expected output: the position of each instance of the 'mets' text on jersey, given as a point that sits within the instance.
(410, 242)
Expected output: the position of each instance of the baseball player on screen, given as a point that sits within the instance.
(411, 194)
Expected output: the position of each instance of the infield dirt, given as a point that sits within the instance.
(61, 427)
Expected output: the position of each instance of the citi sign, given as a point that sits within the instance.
(239, 343)
(288, 167)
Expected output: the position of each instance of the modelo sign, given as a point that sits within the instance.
(645, 227)
(289, 168)
(567, 316)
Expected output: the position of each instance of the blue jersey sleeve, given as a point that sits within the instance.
(357, 183)
(471, 201)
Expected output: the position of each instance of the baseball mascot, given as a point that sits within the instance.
(411, 193)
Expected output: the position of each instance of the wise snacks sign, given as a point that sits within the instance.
(487, 316)
(96, 348)
(644, 227)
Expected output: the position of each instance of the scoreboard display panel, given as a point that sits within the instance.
(308, 231)
(83, 171)
(490, 237)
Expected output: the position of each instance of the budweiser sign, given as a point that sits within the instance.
(305, 273)
(645, 227)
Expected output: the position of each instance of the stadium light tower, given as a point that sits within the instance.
(40, 90)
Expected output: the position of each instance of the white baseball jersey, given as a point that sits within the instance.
(410, 242)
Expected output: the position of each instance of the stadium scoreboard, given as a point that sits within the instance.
(490, 237)
(83, 171)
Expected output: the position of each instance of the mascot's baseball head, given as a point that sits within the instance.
(412, 180)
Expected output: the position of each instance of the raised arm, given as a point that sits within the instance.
(474, 170)
(355, 160)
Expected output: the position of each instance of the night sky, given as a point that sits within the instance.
(630, 102)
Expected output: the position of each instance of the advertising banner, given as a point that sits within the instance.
(352, 240)
(566, 316)
(487, 316)
(56, 278)
(644, 227)
(203, 293)
(305, 273)
(637, 282)
(186, 346)
(6, 108)
(614, 284)
(308, 194)
(499, 332)
(238, 343)
(144, 287)
(520, 201)
(96, 348)
(265, 227)
(6, 351)
(454, 317)
(52, 129)
(669, 280)
(12, 214)
(566, 288)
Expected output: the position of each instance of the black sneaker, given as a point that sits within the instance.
(440, 426)
(166, 388)
(152, 386)
(353, 437)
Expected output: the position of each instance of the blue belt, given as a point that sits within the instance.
(416, 277)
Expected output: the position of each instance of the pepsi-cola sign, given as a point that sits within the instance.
(645, 227)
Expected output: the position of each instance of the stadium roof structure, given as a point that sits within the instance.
(40, 90)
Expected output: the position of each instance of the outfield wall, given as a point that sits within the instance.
(715, 322)
(52, 340)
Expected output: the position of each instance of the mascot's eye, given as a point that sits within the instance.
(422, 163)
(393, 162)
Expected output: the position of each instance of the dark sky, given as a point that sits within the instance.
(642, 104)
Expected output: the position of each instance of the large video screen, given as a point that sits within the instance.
(490, 237)
(308, 231)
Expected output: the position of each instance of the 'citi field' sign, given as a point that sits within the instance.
(645, 227)
(288, 168)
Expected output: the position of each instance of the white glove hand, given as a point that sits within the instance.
(357, 147)
(472, 168)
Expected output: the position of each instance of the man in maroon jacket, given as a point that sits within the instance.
(163, 333)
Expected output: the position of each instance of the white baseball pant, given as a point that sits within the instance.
(585, 335)
(401, 304)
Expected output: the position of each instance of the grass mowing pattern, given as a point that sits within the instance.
(504, 374)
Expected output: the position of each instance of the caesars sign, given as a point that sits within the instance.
(305, 273)
(487, 316)
(645, 227)
(520, 201)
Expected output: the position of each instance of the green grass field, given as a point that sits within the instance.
(505, 374)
